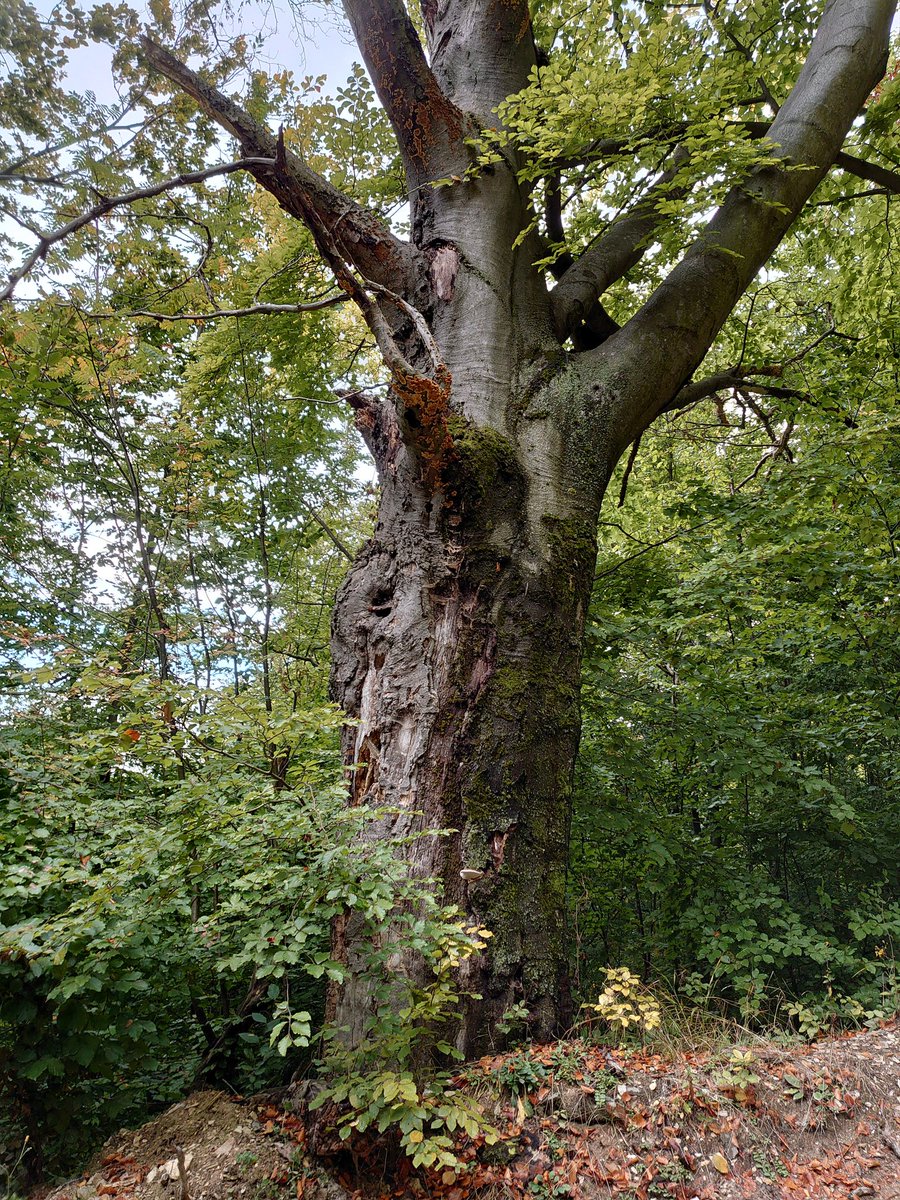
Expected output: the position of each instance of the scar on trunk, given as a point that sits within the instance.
(364, 769)
(498, 848)
(444, 267)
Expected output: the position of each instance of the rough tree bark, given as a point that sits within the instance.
(457, 635)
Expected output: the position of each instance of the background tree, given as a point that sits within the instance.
(458, 633)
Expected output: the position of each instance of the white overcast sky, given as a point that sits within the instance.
(319, 45)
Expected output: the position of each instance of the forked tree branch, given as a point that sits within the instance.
(711, 385)
(363, 238)
(665, 341)
(614, 253)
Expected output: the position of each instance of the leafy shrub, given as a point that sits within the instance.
(165, 915)
(387, 1080)
(625, 1005)
(521, 1072)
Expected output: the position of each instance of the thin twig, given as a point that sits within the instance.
(251, 311)
(49, 240)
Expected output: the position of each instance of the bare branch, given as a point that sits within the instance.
(49, 240)
(889, 180)
(33, 180)
(218, 313)
(711, 385)
(654, 545)
(849, 197)
(604, 150)
(10, 168)
(742, 49)
(741, 378)
(363, 238)
(328, 531)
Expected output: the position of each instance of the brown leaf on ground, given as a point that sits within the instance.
(821, 1123)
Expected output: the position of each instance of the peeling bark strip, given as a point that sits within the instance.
(457, 633)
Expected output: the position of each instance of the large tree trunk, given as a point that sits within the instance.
(457, 635)
(456, 649)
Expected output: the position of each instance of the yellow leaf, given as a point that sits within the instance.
(720, 1162)
(416, 1136)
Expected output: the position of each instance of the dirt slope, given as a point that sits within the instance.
(583, 1122)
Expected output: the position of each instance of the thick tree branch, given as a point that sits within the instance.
(363, 238)
(614, 253)
(107, 204)
(668, 337)
(597, 325)
(429, 129)
(889, 180)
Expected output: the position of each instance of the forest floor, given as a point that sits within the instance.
(818, 1121)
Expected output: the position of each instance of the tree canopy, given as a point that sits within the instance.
(526, 250)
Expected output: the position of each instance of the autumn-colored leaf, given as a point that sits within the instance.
(720, 1162)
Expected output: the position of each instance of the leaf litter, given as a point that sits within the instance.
(819, 1122)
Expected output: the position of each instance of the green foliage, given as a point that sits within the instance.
(514, 1021)
(150, 878)
(158, 901)
(619, 91)
(738, 777)
(387, 1080)
(738, 1073)
(521, 1073)
(178, 500)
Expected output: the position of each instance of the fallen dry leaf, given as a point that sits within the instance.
(720, 1162)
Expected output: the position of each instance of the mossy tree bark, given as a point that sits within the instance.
(456, 648)
(457, 635)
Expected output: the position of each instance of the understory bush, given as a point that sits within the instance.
(173, 865)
